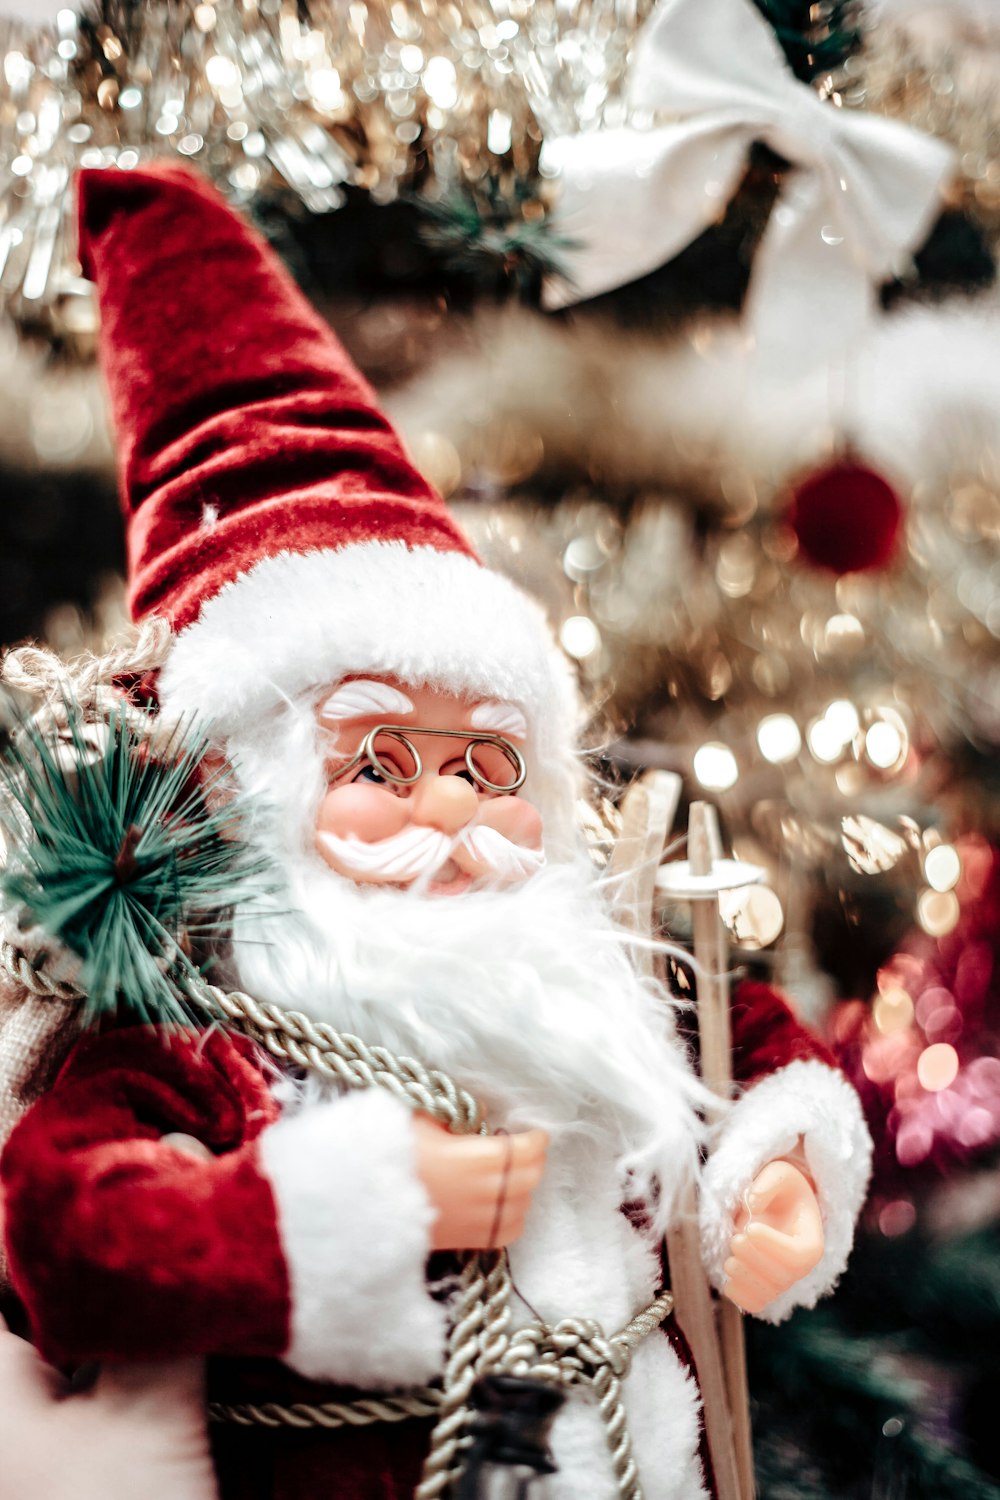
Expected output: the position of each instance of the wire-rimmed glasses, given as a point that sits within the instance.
(389, 750)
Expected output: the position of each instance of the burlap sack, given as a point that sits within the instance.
(35, 1036)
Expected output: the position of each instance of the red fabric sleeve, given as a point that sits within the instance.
(767, 1035)
(121, 1247)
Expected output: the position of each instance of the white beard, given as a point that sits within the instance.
(525, 996)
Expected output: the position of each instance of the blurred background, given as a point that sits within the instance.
(736, 422)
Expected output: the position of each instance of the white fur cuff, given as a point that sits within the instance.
(807, 1099)
(354, 1221)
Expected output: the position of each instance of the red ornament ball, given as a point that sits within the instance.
(846, 517)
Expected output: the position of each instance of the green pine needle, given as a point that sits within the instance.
(115, 853)
(816, 38)
(484, 235)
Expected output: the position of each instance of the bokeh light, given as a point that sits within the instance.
(942, 867)
(937, 912)
(715, 767)
(885, 745)
(825, 743)
(753, 915)
(937, 1066)
(779, 738)
(897, 1218)
(580, 637)
(893, 1011)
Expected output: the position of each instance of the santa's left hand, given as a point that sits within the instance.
(778, 1238)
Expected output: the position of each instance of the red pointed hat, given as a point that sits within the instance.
(272, 512)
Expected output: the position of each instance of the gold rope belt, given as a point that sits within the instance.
(572, 1353)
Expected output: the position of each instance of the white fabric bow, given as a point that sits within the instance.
(864, 196)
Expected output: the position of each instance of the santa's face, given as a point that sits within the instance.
(424, 786)
(520, 985)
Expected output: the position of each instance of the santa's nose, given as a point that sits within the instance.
(444, 802)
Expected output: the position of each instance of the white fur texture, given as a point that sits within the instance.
(355, 1227)
(920, 398)
(810, 1100)
(297, 623)
(580, 1255)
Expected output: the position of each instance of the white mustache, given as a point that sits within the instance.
(420, 851)
(489, 847)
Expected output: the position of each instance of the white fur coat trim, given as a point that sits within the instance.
(354, 1221)
(580, 1256)
(301, 621)
(807, 1099)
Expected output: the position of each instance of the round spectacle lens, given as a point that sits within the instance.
(497, 766)
(393, 757)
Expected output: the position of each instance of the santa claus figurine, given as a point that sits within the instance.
(403, 732)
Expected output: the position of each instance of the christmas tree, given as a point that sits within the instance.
(761, 501)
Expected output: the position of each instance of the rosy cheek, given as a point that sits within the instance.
(362, 811)
(516, 819)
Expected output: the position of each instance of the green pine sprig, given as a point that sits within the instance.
(117, 854)
(816, 38)
(494, 237)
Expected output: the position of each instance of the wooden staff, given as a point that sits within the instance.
(648, 814)
(711, 951)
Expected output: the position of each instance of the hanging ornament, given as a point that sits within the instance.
(846, 517)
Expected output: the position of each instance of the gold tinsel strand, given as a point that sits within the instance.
(313, 97)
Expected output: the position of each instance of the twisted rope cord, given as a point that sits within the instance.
(32, 669)
(86, 685)
(462, 1369)
(573, 1352)
(330, 1415)
(34, 979)
(364, 1412)
(294, 1038)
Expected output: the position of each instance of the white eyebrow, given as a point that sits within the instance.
(363, 698)
(500, 718)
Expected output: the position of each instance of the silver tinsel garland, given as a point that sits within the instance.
(309, 98)
(270, 96)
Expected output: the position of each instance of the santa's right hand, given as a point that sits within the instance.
(480, 1186)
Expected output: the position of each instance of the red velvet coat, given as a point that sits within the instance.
(124, 1246)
